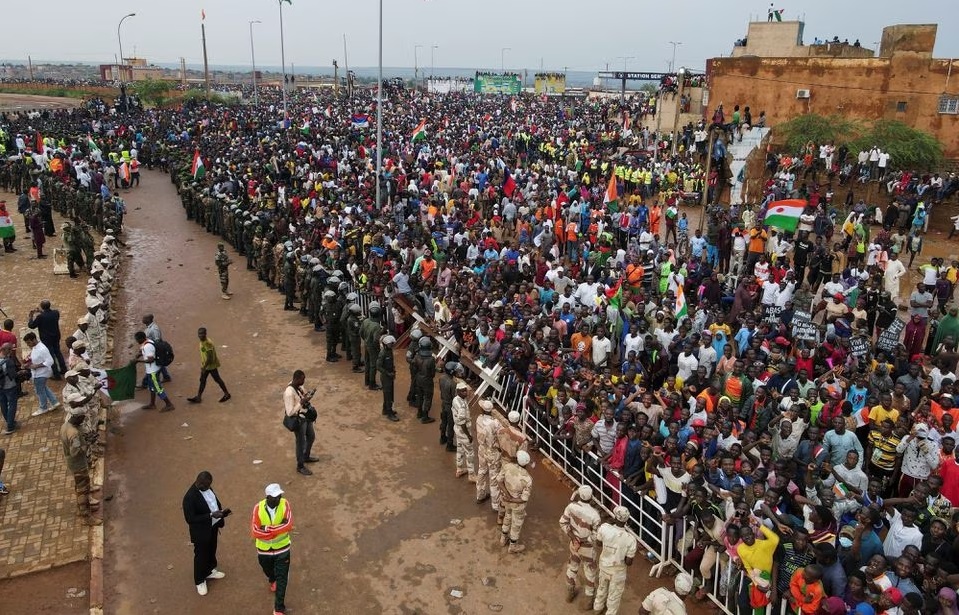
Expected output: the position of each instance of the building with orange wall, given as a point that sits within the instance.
(772, 70)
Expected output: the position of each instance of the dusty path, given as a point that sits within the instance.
(383, 527)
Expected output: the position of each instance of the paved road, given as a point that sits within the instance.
(383, 526)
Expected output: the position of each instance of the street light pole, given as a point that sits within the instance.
(379, 114)
(416, 66)
(283, 63)
(679, 99)
(433, 59)
(502, 60)
(672, 64)
(256, 98)
(622, 92)
(120, 41)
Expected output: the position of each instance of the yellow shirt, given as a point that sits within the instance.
(759, 556)
(878, 414)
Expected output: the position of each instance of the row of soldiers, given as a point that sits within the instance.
(85, 207)
(83, 393)
(502, 449)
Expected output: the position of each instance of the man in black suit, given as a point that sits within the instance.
(47, 323)
(205, 516)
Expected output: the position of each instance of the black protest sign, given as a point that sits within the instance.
(889, 339)
(800, 316)
(859, 346)
(771, 313)
(805, 331)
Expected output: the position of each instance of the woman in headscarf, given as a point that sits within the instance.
(947, 602)
(948, 327)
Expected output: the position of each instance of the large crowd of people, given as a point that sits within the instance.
(757, 381)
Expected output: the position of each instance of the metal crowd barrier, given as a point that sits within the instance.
(584, 469)
(662, 543)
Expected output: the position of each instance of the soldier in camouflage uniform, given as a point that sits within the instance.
(302, 281)
(249, 244)
(289, 281)
(74, 253)
(85, 239)
(266, 261)
(351, 300)
(278, 251)
(329, 315)
(352, 326)
(371, 331)
(317, 284)
(222, 261)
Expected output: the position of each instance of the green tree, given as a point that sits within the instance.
(152, 91)
(908, 148)
(800, 130)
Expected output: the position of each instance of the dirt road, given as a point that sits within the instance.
(383, 526)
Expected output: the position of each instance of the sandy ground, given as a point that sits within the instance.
(382, 527)
(27, 102)
(59, 591)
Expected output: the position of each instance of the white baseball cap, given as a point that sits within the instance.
(273, 490)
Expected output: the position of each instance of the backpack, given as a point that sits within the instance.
(164, 353)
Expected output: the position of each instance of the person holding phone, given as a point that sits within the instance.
(205, 516)
(296, 403)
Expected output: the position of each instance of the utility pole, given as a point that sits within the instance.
(206, 66)
(183, 71)
(416, 66)
(346, 65)
(709, 164)
(286, 115)
(336, 77)
(679, 98)
(256, 98)
(30, 66)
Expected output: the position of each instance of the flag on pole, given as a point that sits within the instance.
(305, 128)
(92, 145)
(611, 198)
(122, 381)
(202, 14)
(361, 120)
(680, 312)
(784, 214)
(615, 293)
(329, 111)
(509, 184)
(419, 132)
(198, 170)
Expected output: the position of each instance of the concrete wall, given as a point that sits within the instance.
(866, 89)
(915, 38)
(773, 39)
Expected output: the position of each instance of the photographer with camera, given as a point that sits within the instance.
(299, 418)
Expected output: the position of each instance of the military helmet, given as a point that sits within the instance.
(356, 309)
(333, 281)
(317, 269)
(337, 273)
(450, 367)
(343, 286)
(248, 223)
(328, 294)
(374, 307)
(314, 261)
(352, 296)
(304, 259)
(425, 342)
(416, 334)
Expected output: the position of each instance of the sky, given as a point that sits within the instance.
(554, 34)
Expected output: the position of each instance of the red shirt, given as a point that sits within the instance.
(8, 338)
(949, 471)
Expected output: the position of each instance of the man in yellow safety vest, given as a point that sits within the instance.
(271, 526)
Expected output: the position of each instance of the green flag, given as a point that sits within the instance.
(122, 382)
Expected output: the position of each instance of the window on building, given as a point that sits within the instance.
(949, 104)
(901, 106)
